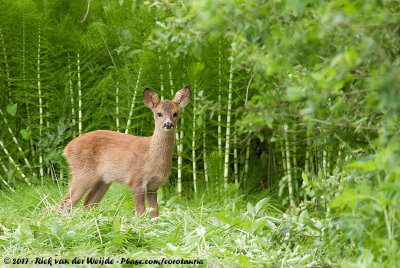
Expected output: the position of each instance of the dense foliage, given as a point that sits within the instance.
(296, 101)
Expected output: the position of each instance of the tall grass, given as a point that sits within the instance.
(221, 230)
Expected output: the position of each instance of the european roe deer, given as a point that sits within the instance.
(101, 157)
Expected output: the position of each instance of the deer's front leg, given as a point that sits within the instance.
(152, 200)
(138, 197)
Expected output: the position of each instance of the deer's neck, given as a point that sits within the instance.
(162, 145)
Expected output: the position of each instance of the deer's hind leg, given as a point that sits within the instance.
(96, 194)
(80, 183)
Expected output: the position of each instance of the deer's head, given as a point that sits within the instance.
(166, 112)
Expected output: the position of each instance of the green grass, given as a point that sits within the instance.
(222, 229)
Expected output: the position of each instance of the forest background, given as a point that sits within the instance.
(288, 153)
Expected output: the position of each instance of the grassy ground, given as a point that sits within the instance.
(219, 229)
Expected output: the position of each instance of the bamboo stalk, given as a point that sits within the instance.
(274, 160)
(235, 158)
(128, 124)
(79, 94)
(269, 164)
(219, 110)
(71, 93)
(205, 152)
(47, 115)
(180, 151)
(328, 164)
(161, 75)
(288, 165)
(177, 138)
(324, 166)
(228, 125)
(194, 164)
(294, 157)
(205, 167)
(317, 165)
(308, 152)
(41, 172)
(283, 153)
(179, 148)
(14, 163)
(246, 160)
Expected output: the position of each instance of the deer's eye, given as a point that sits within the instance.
(175, 115)
(159, 114)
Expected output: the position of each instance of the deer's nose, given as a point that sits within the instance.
(168, 125)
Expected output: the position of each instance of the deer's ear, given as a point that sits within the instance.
(150, 98)
(182, 97)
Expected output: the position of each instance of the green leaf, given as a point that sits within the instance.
(244, 261)
(305, 259)
(304, 176)
(25, 134)
(293, 260)
(348, 198)
(133, 52)
(250, 209)
(248, 225)
(260, 204)
(270, 224)
(12, 109)
(259, 223)
(199, 121)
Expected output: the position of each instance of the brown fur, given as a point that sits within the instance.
(101, 157)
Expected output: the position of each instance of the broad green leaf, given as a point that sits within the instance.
(244, 261)
(260, 204)
(259, 223)
(133, 52)
(270, 224)
(250, 209)
(25, 134)
(199, 121)
(12, 109)
(248, 225)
